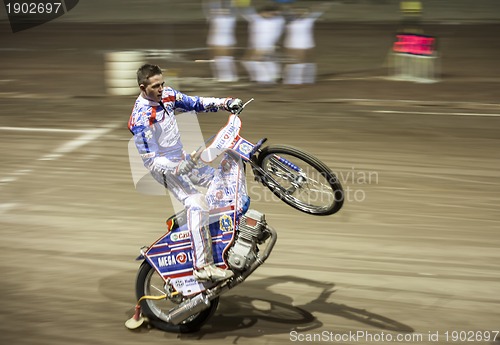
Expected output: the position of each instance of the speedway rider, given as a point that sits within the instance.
(157, 139)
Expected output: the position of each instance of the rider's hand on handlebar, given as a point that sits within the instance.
(233, 104)
(184, 166)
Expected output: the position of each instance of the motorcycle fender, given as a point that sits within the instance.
(143, 250)
(224, 140)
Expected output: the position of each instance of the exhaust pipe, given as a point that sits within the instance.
(186, 309)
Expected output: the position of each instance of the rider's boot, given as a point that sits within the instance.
(201, 241)
(213, 273)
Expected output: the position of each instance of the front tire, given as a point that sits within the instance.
(300, 180)
(149, 283)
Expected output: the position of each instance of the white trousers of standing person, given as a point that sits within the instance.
(224, 69)
(300, 73)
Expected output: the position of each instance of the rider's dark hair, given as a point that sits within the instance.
(145, 72)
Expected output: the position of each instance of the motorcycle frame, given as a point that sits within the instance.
(171, 254)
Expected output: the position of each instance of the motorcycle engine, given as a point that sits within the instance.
(251, 231)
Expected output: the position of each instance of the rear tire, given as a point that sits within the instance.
(300, 180)
(149, 283)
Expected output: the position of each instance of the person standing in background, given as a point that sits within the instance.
(265, 30)
(221, 40)
(299, 44)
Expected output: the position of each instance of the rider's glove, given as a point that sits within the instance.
(184, 166)
(233, 104)
(195, 178)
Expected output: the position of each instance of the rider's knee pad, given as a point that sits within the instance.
(196, 201)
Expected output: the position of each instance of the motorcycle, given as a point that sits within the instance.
(169, 297)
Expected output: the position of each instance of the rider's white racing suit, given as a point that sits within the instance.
(157, 139)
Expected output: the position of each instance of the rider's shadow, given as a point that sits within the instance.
(264, 312)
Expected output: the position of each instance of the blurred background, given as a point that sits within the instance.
(413, 138)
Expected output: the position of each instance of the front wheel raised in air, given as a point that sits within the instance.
(300, 180)
(149, 283)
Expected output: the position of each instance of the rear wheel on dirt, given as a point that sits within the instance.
(149, 283)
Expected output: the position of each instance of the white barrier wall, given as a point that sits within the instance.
(121, 72)
(419, 69)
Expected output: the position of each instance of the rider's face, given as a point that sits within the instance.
(154, 88)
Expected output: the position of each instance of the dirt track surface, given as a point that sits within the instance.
(413, 252)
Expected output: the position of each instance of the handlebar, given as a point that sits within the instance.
(195, 155)
(238, 112)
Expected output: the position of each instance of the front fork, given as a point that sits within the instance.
(297, 178)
